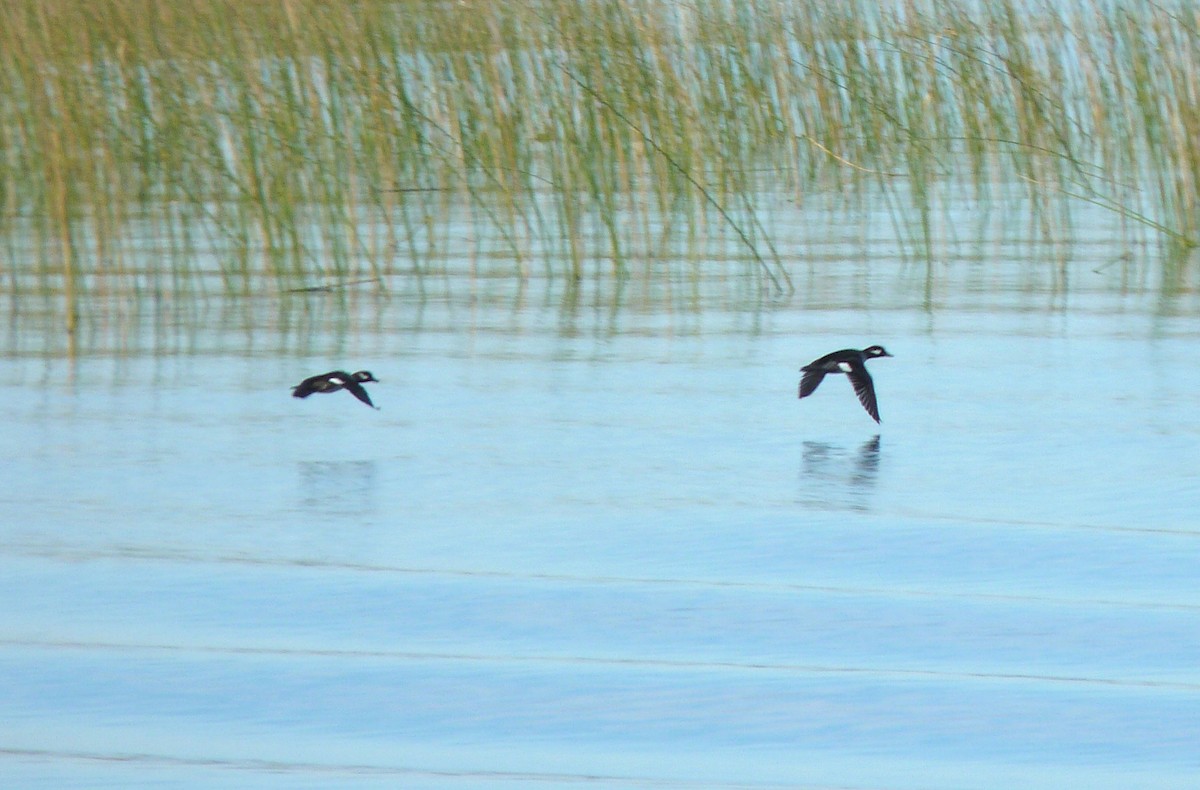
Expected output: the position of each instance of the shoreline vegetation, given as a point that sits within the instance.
(295, 143)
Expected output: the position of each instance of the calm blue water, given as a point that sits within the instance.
(609, 547)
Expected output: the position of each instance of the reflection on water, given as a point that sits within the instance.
(834, 476)
(681, 295)
(337, 487)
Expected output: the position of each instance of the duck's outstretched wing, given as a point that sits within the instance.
(812, 378)
(864, 388)
(356, 389)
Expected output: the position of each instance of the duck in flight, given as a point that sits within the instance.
(337, 380)
(853, 363)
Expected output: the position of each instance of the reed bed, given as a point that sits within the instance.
(158, 148)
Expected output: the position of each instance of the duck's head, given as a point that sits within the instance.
(876, 351)
(364, 376)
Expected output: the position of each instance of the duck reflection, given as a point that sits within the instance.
(835, 477)
(337, 486)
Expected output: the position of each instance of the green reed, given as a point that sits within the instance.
(157, 147)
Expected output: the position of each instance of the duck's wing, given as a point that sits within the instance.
(356, 389)
(864, 388)
(812, 378)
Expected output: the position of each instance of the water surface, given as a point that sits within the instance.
(601, 543)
